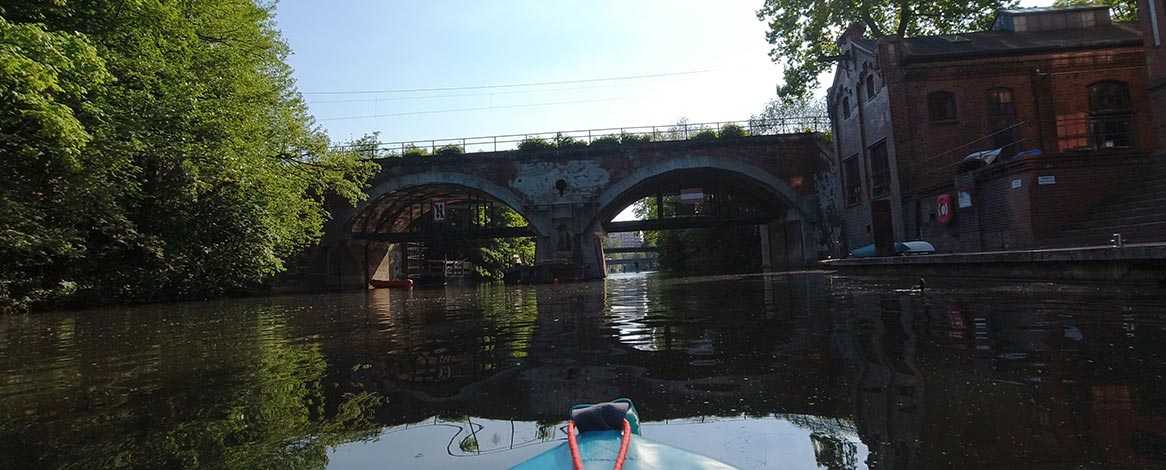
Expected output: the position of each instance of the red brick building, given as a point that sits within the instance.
(1061, 93)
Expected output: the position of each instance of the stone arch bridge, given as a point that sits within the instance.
(569, 197)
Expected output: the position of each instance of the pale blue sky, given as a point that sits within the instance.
(390, 45)
(358, 45)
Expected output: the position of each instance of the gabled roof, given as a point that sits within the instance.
(866, 44)
(1001, 43)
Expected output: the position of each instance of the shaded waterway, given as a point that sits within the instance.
(782, 371)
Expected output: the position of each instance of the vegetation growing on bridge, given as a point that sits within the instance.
(154, 151)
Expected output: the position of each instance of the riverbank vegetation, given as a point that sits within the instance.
(154, 151)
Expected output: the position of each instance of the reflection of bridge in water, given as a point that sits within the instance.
(568, 350)
(929, 381)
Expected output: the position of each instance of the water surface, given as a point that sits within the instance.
(781, 371)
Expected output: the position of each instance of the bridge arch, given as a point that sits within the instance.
(617, 196)
(386, 188)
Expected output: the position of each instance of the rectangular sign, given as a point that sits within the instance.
(1042, 180)
(438, 211)
(965, 200)
(691, 196)
(1016, 183)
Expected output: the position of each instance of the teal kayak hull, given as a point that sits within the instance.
(598, 450)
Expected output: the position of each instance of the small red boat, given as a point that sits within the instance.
(400, 283)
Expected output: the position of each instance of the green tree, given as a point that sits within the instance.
(720, 249)
(51, 183)
(782, 116)
(802, 31)
(176, 159)
(491, 257)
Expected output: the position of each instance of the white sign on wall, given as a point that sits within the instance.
(1016, 183)
(1042, 180)
(965, 199)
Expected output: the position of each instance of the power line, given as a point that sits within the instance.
(460, 95)
(414, 113)
(484, 87)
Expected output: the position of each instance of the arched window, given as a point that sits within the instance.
(1109, 95)
(1000, 102)
(870, 87)
(941, 106)
(845, 107)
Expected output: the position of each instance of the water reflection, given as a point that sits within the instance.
(795, 371)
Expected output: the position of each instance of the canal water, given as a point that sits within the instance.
(764, 372)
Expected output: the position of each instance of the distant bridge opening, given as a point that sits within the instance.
(695, 198)
(427, 213)
(423, 231)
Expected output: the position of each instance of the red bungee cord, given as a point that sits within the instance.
(573, 444)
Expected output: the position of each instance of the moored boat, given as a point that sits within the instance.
(398, 283)
(901, 248)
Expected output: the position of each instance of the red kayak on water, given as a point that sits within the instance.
(400, 283)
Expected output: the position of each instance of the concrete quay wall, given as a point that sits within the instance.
(1126, 264)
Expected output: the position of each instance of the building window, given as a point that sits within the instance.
(1110, 95)
(870, 87)
(941, 106)
(852, 185)
(845, 107)
(1002, 118)
(1111, 117)
(1114, 131)
(1000, 102)
(880, 170)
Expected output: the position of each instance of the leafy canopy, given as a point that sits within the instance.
(154, 151)
(801, 31)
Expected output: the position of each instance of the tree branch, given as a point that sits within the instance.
(870, 23)
(904, 18)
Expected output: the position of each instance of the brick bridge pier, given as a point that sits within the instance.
(570, 196)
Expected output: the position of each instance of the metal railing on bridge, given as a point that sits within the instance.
(585, 137)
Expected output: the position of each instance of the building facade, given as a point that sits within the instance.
(1053, 102)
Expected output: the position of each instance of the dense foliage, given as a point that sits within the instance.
(802, 31)
(491, 257)
(700, 250)
(153, 150)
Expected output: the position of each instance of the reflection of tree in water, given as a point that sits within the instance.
(546, 429)
(276, 416)
(469, 445)
(821, 424)
(832, 450)
(834, 453)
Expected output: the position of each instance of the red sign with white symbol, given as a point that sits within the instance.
(943, 209)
